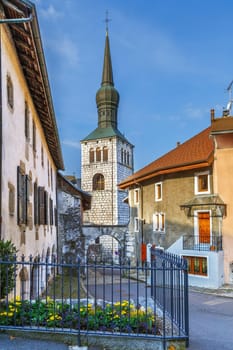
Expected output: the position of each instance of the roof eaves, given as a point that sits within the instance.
(168, 170)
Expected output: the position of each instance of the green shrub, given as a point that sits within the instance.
(7, 268)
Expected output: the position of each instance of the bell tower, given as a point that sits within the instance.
(106, 156)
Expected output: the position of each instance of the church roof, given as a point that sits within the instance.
(195, 153)
(100, 133)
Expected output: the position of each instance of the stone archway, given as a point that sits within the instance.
(105, 243)
(106, 249)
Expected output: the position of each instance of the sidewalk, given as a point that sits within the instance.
(225, 291)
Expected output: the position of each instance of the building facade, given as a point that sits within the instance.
(30, 152)
(182, 203)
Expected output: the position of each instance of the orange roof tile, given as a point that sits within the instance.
(195, 153)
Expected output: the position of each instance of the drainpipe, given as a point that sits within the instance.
(15, 20)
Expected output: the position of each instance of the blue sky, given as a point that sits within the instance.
(172, 62)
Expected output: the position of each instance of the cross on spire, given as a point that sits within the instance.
(107, 20)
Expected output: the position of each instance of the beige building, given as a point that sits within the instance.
(182, 202)
(30, 152)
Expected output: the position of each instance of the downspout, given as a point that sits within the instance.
(15, 20)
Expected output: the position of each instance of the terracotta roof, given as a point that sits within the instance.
(195, 153)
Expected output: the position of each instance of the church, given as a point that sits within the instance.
(106, 160)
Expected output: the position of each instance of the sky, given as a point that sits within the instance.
(172, 62)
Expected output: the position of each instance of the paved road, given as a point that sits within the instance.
(8, 342)
(211, 322)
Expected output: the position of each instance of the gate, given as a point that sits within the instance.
(169, 287)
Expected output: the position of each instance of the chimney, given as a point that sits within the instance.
(177, 143)
(212, 114)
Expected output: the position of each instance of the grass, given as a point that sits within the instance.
(65, 286)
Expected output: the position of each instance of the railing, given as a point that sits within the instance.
(91, 298)
(202, 243)
(169, 288)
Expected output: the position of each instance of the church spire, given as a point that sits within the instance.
(107, 76)
(107, 97)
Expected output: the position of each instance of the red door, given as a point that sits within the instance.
(204, 227)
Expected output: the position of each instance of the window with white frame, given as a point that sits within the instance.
(136, 196)
(136, 224)
(158, 191)
(202, 183)
(158, 222)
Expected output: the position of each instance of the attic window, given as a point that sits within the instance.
(10, 92)
(202, 183)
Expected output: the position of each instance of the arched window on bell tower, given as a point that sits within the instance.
(105, 154)
(98, 154)
(91, 155)
(98, 182)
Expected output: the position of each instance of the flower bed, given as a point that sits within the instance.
(113, 317)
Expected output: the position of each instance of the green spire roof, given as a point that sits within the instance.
(107, 76)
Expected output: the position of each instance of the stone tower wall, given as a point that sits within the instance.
(107, 206)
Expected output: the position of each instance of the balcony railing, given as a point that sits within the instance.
(202, 243)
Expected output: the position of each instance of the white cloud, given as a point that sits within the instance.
(66, 48)
(195, 112)
(72, 144)
(50, 13)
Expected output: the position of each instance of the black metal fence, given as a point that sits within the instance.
(169, 288)
(90, 298)
(203, 243)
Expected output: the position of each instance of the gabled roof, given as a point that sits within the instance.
(67, 186)
(28, 44)
(195, 153)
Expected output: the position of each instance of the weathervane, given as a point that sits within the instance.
(107, 20)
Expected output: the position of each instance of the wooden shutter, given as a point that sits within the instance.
(41, 205)
(46, 218)
(36, 221)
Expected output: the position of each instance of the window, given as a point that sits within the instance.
(91, 155)
(11, 199)
(42, 156)
(122, 156)
(51, 211)
(105, 154)
(42, 206)
(34, 137)
(26, 122)
(136, 224)
(158, 191)
(158, 222)
(197, 265)
(22, 197)
(36, 218)
(98, 154)
(202, 183)
(136, 196)
(127, 158)
(98, 182)
(10, 92)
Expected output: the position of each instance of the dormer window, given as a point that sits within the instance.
(202, 183)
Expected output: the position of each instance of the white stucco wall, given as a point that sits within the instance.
(16, 149)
